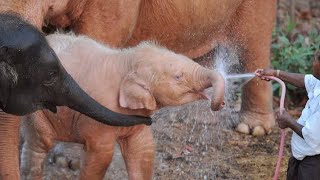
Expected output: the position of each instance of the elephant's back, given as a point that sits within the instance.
(183, 25)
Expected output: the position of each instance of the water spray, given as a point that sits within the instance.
(237, 81)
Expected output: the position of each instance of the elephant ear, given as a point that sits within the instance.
(134, 94)
(8, 74)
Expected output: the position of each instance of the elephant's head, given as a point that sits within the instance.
(160, 77)
(32, 77)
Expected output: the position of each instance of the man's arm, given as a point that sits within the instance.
(297, 128)
(295, 79)
(292, 78)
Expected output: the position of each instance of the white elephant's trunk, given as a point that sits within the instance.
(218, 84)
(208, 78)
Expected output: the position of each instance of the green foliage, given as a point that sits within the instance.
(293, 52)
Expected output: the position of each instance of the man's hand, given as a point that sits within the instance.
(265, 72)
(285, 120)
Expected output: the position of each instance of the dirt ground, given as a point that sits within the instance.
(189, 148)
(193, 143)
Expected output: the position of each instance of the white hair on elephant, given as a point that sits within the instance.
(134, 81)
(59, 42)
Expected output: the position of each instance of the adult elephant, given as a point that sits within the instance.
(31, 79)
(190, 27)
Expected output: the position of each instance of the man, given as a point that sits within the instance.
(304, 163)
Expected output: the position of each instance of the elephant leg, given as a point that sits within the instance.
(97, 161)
(9, 142)
(138, 152)
(38, 136)
(252, 27)
(99, 143)
(32, 161)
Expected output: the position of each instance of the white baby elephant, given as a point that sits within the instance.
(134, 81)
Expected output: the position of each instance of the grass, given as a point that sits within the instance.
(293, 52)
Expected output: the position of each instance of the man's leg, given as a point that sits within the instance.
(292, 171)
(309, 168)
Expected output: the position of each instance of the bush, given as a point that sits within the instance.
(293, 52)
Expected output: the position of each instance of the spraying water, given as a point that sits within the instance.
(196, 126)
(247, 76)
(238, 80)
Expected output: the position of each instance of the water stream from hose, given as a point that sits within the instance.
(197, 133)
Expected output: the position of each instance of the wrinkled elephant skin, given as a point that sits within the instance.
(181, 25)
(32, 79)
(144, 79)
(190, 27)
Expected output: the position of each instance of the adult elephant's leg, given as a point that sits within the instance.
(252, 27)
(9, 142)
(138, 152)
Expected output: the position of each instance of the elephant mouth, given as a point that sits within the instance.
(51, 107)
(47, 105)
(199, 95)
(204, 95)
(207, 93)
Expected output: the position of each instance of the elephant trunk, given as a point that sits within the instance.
(218, 84)
(208, 78)
(74, 97)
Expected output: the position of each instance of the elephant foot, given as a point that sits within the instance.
(257, 124)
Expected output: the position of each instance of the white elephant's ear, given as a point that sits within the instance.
(135, 95)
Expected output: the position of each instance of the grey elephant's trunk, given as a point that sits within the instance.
(208, 78)
(77, 99)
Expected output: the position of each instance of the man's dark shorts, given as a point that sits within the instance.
(306, 169)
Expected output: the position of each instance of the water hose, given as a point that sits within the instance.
(282, 132)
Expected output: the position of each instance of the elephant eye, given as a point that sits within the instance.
(178, 77)
(51, 77)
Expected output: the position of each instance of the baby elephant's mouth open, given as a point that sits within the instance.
(208, 94)
(205, 94)
(52, 107)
